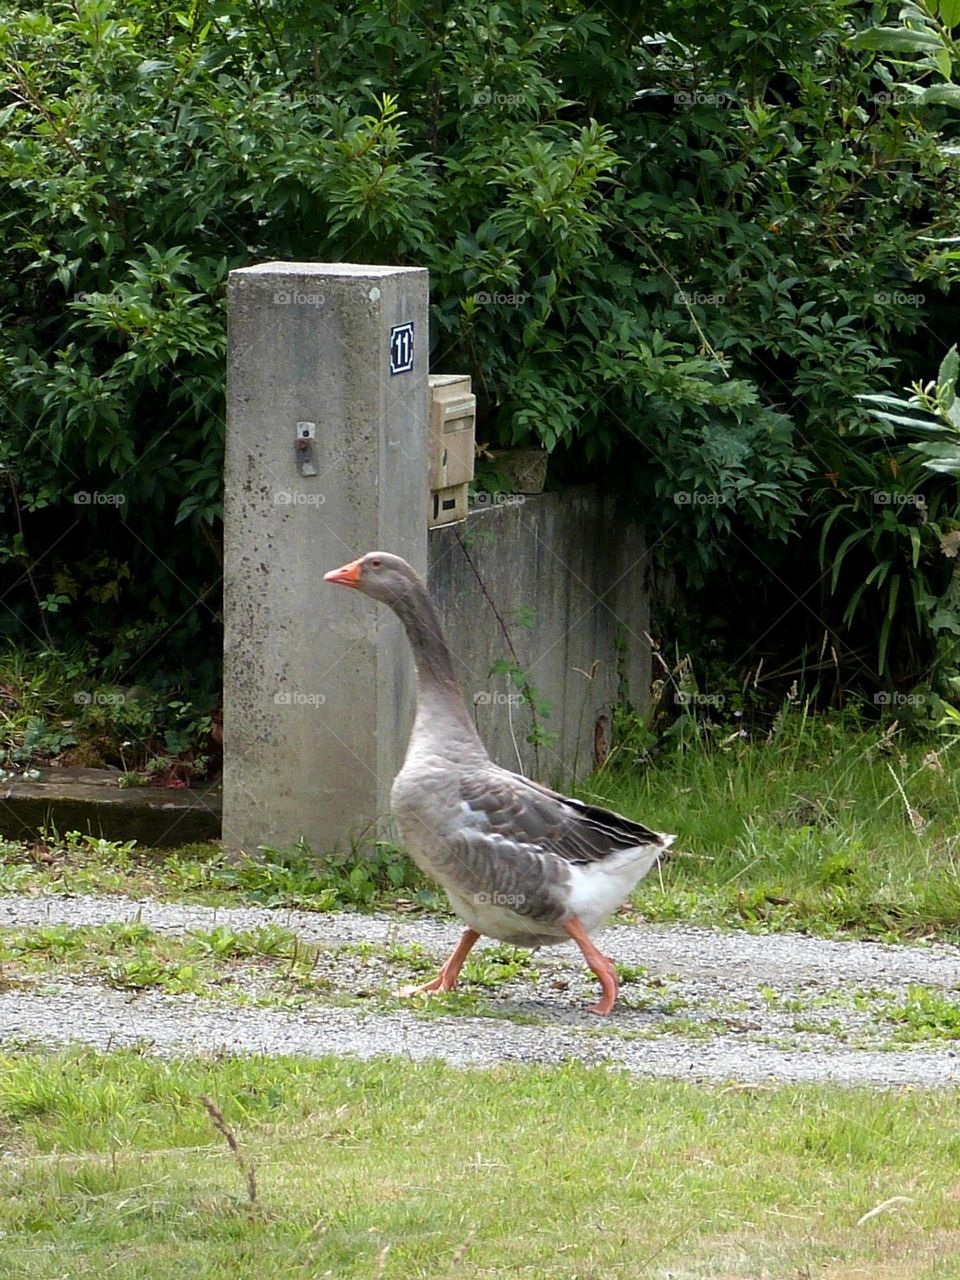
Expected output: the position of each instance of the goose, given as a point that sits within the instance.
(519, 863)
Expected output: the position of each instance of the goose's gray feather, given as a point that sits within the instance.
(531, 814)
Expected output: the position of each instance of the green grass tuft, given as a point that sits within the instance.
(821, 829)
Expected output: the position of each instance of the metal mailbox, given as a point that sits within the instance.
(453, 425)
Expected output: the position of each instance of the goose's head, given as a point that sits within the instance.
(378, 574)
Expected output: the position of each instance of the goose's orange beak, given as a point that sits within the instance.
(347, 575)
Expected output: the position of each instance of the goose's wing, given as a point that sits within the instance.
(511, 807)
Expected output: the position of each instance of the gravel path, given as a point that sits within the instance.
(706, 1005)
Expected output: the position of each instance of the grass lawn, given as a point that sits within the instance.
(113, 1168)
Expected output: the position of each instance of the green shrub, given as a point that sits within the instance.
(673, 246)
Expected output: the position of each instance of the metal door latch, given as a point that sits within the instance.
(306, 435)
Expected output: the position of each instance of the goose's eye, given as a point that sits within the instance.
(375, 564)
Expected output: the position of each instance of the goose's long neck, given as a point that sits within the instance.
(439, 697)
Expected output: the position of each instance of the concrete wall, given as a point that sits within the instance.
(318, 686)
(571, 584)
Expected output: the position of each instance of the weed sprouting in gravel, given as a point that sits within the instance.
(925, 1014)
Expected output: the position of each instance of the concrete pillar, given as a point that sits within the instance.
(318, 683)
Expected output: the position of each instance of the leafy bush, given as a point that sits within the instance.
(673, 246)
(932, 413)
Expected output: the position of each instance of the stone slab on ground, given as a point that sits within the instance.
(92, 802)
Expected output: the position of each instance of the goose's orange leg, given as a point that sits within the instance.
(446, 979)
(601, 965)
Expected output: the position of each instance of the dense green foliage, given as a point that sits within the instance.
(673, 245)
